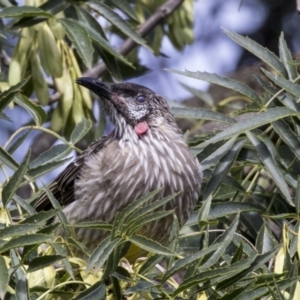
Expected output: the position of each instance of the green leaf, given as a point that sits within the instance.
(80, 130)
(7, 96)
(14, 182)
(150, 245)
(215, 157)
(4, 277)
(4, 117)
(95, 292)
(183, 263)
(201, 113)
(225, 239)
(17, 230)
(222, 81)
(286, 58)
(116, 20)
(258, 262)
(101, 253)
(23, 11)
(225, 209)
(93, 224)
(100, 41)
(204, 212)
(25, 240)
(41, 217)
(80, 39)
(262, 53)
(46, 168)
(288, 136)
(124, 6)
(143, 212)
(265, 241)
(210, 274)
(24, 204)
(271, 165)
(222, 168)
(38, 114)
(43, 261)
(55, 153)
(8, 160)
(297, 196)
(18, 143)
(251, 123)
(289, 86)
(130, 209)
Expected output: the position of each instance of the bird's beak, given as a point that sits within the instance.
(102, 90)
(99, 88)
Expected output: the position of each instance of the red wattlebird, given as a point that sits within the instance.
(145, 151)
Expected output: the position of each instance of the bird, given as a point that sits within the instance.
(145, 151)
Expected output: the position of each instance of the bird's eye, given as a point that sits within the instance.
(141, 99)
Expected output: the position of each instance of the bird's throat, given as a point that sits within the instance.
(141, 128)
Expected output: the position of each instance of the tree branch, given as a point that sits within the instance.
(163, 12)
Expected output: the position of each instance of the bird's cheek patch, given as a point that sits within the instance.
(141, 128)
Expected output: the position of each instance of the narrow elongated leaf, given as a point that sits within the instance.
(103, 43)
(4, 277)
(38, 114)
(222, 209)
(288, 136)
(271, 165)
(222, 81)
(218, 154)
(251, 123)
(8, 160)
(289, 86)
(201, 113)
(183, 263)
(210, 274)
(17, 230)
(80, 130)
(258, 262)
(222, 168)
(24, 204)
(23, 11)
(95, 292)
(124, 6)
(265, 241)
(7, 96)
(150, 245)
(297, 198)
(204, 212)
(144, 211)
(225, 239)
(101, 253)
(43, 261)
(25, 240)
(116, 20)
(41, 217)
(17, 143)
(131, 208)
(46, 168)
(57, 152)
(263, 53)
(286, 58)
(14, 182)
(80, 39)
(139, 222)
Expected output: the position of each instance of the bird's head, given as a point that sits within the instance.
(131, 106)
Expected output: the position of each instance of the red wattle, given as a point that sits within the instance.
(141, 128)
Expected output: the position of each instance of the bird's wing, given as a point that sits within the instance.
(62, 187)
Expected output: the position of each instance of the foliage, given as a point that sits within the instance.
(240, 243)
